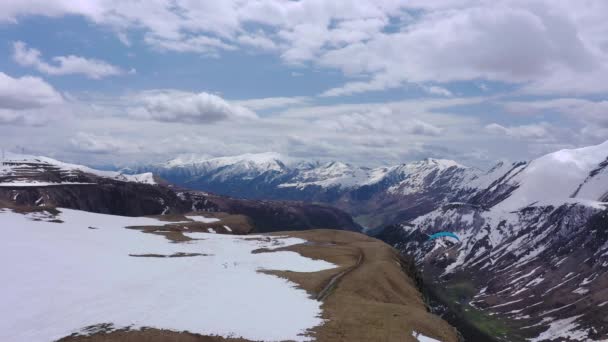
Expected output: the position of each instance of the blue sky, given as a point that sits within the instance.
(369, 82)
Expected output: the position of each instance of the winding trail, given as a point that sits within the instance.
(327, 289)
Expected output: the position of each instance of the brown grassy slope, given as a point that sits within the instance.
(375, 300)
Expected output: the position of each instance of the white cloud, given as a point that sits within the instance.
(545, 46)
(124, 38)
(26, 92)
(380, 120)
(92, 143)
(273, 102)
(438, 91)
(364, 133)
(258, 40)
(503, 41)
(424, 128)
(185, 107)
(541, 47)
(532, 131)
(583, 110)
(65, 65)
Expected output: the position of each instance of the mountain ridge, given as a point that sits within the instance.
(339, 184)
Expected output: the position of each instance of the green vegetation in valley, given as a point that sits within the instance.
(456, 295)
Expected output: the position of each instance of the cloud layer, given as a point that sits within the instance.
(539, 70)
(544, 45)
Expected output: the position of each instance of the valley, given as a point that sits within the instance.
(533, 234)
(529, 265)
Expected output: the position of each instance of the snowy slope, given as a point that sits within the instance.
(16, 165)
(423, 175)
(406, 179)
(223, 168)
(557, 176)
(66, 276)
(333, 174)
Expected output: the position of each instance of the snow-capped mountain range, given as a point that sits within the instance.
(190, 168)
(376, 196)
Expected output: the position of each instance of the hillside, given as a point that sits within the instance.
(96, 277)
(532, 262)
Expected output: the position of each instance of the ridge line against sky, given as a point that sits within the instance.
(367, 82)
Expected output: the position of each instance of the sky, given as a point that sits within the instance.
(120, 82)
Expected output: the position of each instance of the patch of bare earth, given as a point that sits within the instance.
(178, 224)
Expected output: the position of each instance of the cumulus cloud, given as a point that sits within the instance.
(185, 107)
(258, 40)
(64, 65)
(26, 92)
(504, 41)
(28, 101)
(544, 46)
(547, 47)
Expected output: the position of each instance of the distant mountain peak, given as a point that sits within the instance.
(254, 158)
(442, 163)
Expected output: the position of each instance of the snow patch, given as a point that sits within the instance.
(67, 277)
(422, 338)
(561, 329)
(203, 219)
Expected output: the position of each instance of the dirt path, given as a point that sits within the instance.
(326, 291)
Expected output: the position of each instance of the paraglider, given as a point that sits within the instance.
(444, 234)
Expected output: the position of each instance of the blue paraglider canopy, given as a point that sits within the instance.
(444, 234)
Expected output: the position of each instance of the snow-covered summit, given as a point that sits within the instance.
(572, 173)
(419, 176)
(268, 160)
(330, 175)
(246, 164)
